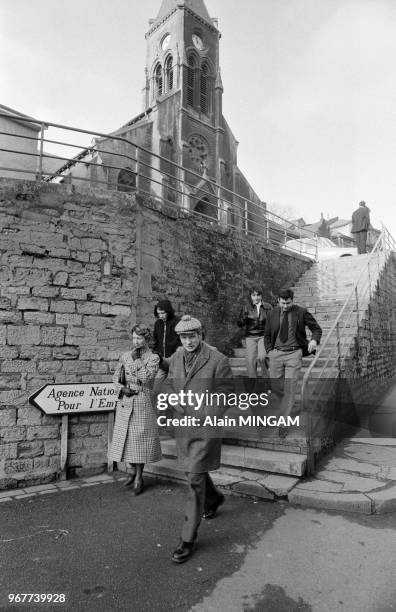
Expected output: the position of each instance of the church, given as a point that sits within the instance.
(186, 153)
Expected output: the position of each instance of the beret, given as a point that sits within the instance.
(188, 324)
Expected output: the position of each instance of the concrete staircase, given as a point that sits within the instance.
(266, 465)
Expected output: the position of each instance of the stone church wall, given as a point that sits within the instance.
(76, 269)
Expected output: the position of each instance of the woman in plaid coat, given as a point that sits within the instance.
(135, 437)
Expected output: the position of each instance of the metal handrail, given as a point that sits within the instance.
(139, 147)
(258, 215)
(335, 357)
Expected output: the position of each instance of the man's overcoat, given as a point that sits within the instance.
(360, 220)
(199, 450)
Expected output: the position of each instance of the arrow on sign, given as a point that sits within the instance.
(72, 398)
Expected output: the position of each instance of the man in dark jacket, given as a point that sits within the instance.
(198, 369)
(286, 343)
(253, 317)
(360, 227)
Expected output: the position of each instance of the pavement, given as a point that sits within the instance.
(357, 476)
(98, 548)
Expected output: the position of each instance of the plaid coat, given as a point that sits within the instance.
(135, 436)
(199, 448)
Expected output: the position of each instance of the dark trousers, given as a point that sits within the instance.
(361, 242)
(202, 494)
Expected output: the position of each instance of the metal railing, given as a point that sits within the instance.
(333, 352)
(110, 156)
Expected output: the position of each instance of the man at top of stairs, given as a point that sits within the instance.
(360, 227)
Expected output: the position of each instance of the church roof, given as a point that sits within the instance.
(197, 6)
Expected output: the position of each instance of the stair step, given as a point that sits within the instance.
(237, 361)
(323, 289)
(265, 485)
(277, 462)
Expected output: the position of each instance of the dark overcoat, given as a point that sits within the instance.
(135, 435)
(198, 448)
(360, 220)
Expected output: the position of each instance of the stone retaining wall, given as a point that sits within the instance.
(372, 365)
(369, 369)
(76, 270)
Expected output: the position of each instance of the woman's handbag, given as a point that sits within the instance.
(122, 381)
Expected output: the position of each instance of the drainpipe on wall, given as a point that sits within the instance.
(138, 250)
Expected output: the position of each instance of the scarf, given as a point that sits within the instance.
(189, 358)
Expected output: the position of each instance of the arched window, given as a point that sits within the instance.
(204, 91)
(191, 80)
(158, 80)
(169, 73)
(207, 208)
(126, 180)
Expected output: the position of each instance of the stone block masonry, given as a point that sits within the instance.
(55, 301)
(207, 270)
(371, 365)
(76, 270)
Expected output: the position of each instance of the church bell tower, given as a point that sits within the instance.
(184, 90)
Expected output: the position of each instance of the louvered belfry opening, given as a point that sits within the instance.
(191, 80)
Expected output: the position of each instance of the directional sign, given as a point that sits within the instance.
(72, 398)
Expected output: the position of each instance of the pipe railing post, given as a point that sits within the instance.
(369, 279)
(246, 217)
(338, 347)
(267, 232)
(357, 318)
(41, 151)
(307, 411)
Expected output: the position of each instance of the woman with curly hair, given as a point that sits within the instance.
(135, 438)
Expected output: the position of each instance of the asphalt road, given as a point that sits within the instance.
(109, 551)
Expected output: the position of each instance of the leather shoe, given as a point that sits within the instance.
(130, 480)
(138, 487)
(183, 552)
(211, 512)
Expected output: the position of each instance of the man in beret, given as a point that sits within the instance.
(199, 368)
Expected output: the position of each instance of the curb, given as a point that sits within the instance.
(271, 487)
(64, 485)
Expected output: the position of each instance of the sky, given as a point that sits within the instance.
(309, 88)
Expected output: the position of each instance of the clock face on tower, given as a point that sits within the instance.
(165, 42)
(198, 43)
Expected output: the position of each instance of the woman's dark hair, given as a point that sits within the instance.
(166, 306)
(142, 330)
(255, 289)
(285, 294)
